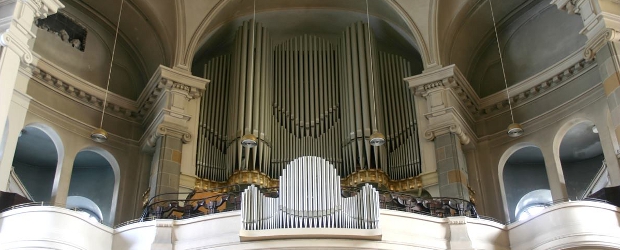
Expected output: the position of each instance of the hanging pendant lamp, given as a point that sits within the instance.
(514, 129)
(377, 138)
(99, 134)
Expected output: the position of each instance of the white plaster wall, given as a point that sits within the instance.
(52, 228)
(566, 225)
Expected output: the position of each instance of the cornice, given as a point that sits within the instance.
(530, 90)
(82, 91)
(520, 93)
(166, 78)
(449, 77)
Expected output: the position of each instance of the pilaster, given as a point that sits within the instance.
(15, 26)
(169, 106)
(447, 125)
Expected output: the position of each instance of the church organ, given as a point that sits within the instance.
(306, 96)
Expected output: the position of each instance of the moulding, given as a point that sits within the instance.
(529, 92)
(75, 126)
(82, 93)
(521, 93)
(551, 116)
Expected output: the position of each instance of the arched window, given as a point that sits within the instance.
(94, 177)
(581, 155)
(532, 204)
(38, 155)
(86, 207)
(523, 172)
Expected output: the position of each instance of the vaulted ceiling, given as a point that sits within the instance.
(443, 32)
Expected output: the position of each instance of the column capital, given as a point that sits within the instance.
(440, 129)
(449, 77)
(164, 129)
(16, 25)
(597, 42)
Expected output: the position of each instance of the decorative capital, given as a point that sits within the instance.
(596, 43)
(445, 128)
(9, 39)
(170, 130)
(448, 77)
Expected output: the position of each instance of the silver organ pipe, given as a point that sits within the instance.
(402, 137)
(309, 197)
(212, 121)
(359, 93)
(306, 107)
(249, 98)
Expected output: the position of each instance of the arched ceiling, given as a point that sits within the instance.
(323, 16)
(464, 27)
(444, 32)
(148, 26)
(467, 39)
(325, 23)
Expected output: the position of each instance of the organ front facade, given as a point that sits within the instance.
(307, 96)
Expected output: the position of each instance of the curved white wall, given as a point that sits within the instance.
(53, 228)
(566, 225)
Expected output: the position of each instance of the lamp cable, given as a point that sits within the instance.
(501, 60)
(105, 98)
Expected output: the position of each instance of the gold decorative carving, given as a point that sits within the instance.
(360, 177)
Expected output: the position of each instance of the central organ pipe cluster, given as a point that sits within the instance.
(306, 97)
(309, 197)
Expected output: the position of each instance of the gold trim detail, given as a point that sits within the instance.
(377, 176)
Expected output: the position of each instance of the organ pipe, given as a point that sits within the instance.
(310, 197)
(401, 132)
(213, 122)
(250, 98)
(361, 107)
(306, 103)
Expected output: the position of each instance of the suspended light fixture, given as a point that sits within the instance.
(250, 140)
(514, 129)
(99, 134)
(377, 138)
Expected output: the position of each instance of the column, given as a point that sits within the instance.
(603, 32)
(445, 126)
(169, 108)
(16, 25)
(166, 166)
(555, 175)
(17, 20)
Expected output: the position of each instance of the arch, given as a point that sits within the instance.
(580, 157)
(502, 163)
(200, 33)
(51, 134)
(116, 172)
